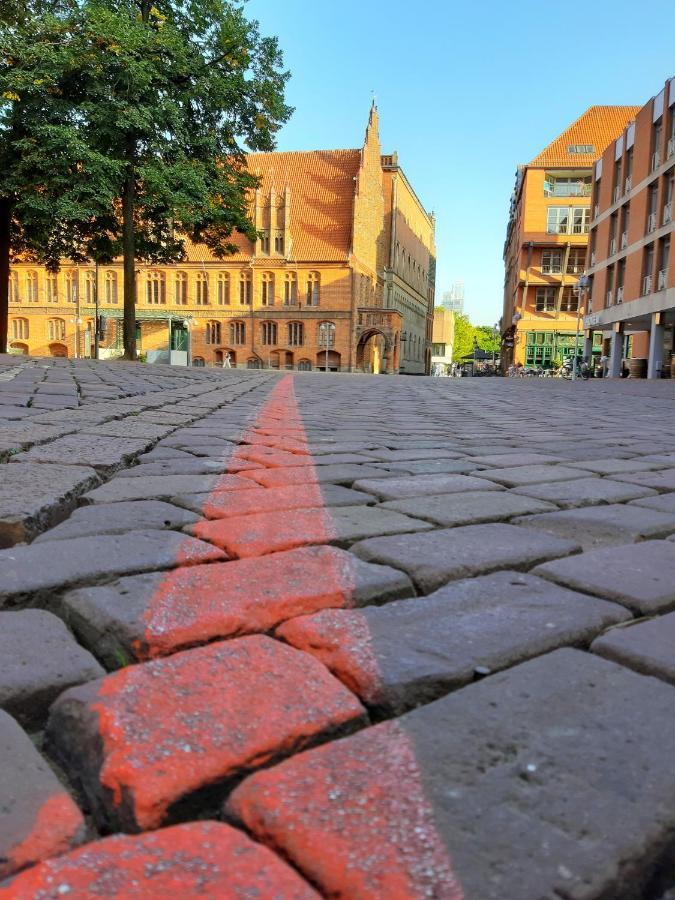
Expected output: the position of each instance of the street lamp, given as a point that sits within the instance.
(579, 290)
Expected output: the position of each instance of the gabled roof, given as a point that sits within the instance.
(596, 128)
(321, 185)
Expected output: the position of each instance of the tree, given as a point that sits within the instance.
(47, 204)
(170, 93)
(464, 335)
(488, 339)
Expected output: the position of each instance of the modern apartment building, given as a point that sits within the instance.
(630, 266)
(547, 236)
(341, 277)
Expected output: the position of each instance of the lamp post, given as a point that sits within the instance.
(96, 322)
(494, 343)
(579, 290)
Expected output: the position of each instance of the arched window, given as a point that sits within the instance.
(313, 287)
(180, 289)
(296, 334)
(72, 286)
(326, 335)
(269, 333)
(245, 289)
(304, 365)
(198, 361)
(51, 287)
(89, 287)
(237, 332)
(14, 287)
(32, 287)
(110, 291)
(57, 329)
(19, 329)
(267, 289)
(252, 363)
(155, 287)
(213, 332)
(223, 288)
(202, 288)
(290, 289)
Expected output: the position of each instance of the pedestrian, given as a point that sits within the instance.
(604, 360)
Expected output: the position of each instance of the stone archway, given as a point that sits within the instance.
(374, 352)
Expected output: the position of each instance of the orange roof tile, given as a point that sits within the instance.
(597, 127)
(321, 185)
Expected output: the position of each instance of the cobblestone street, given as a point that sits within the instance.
(269, 635)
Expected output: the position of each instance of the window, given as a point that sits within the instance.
(198, 362)
(313, 288)
(326, 335)
(569, 301)
(57, 329)
(202, 288)
(14, 287)
(245, 289)
(19, 329)
(180, 289)
(213, 332)
(576, 262)
(545, 299)
(296, 334)
(155, 287)
(31, 287)
(267, 289)
(110, 287)
(657, 129)
(71, 286)
(237, 332)
(290, 289)
(304, 365)
(551, 262)
(557, 219)
(580, 148)
(89, 287)
(51, 288)
(269, 333)
(223, 288)
(575, 186)
(265, 242)
(581, 220)
(279, 242)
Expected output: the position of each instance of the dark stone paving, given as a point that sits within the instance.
(205, 573)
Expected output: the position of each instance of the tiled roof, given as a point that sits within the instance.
(321, 185)
(596, 128)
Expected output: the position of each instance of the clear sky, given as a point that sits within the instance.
(465, 92)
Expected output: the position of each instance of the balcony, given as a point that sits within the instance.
(656, 160)
(612, 247)
(610, 299)
(593, 258)
(624, 240)
(619, 295)
(671, 147)
(616, 196)
(646, 285)
(628, 186)
(596, 210)
(651, 222)
(667, 213)
(662, 280)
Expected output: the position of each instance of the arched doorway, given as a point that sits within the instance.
(58, 350)
(225, 358)
(17, 348)
(253, 363)
(304, 365)
(328, 361)
(373, 352)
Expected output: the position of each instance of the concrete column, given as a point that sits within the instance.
(655, 363)
(615, 355)
(588, 348)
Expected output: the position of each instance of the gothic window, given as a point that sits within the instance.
(296, 334)
(31, 287)
(71, 286)
(57, 329)
(89, 287)
(213, 332)
(245, 288)
(19, 329)
(181, 289)
(14, 287)
(313, 282)
(267, 289)
(265, 243)
(269, 333)
(237, 333)
(326, 335)
(110, 287)
(290, 289)
(51, 288)
(279, 242)
(223, 289)
(155, 288)
(202, 288)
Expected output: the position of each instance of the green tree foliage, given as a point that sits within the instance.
(464, 335)
(487, 338)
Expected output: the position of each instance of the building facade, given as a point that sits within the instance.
(631, 276)
(547, 238)
(340, 278)
(443, 338)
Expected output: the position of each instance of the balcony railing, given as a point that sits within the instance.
(596, 210)
(667, 213)
(593, 257)
(671, 146)
(656, 160)
(555, 269)
(610, 298)
(619, 295)
(628, 186)
(617, 193)
(612, 247)
(646, 285)
(624, 240)
(662, 280)
(651, 222)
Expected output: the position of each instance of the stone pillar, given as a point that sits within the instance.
(588, 347)
(655, 363)
(616, 354)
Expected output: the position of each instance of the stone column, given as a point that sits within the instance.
(588, 347)
(616, 354)
(655, 363)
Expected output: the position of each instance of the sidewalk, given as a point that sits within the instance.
(303, 635)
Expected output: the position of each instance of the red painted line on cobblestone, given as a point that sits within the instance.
(58, 826)
(196, 860)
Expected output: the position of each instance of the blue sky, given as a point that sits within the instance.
(465, 93)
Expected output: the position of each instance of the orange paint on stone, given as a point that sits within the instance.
(202, 859)
(226, 505)
(58, 826)
(269, 532)
(176, 725)
(353, 817)
(244, 597)
(281, 477)
(273, 457)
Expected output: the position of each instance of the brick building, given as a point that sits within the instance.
(632, 279)
(547, 237)
(341, 277)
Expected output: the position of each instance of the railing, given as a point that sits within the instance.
(619, 295)
(596, 210)
(624, 240)
(628, 186)
(617, 193)
(671, 147)
(662, 279)
(593, 258)
(656, 160)
(651, 222)
(667, 213)
(574, 269)
(612, 247)
(610, 298)
(646, 285)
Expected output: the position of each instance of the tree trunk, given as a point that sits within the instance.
(129, 253)
(5, 240)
